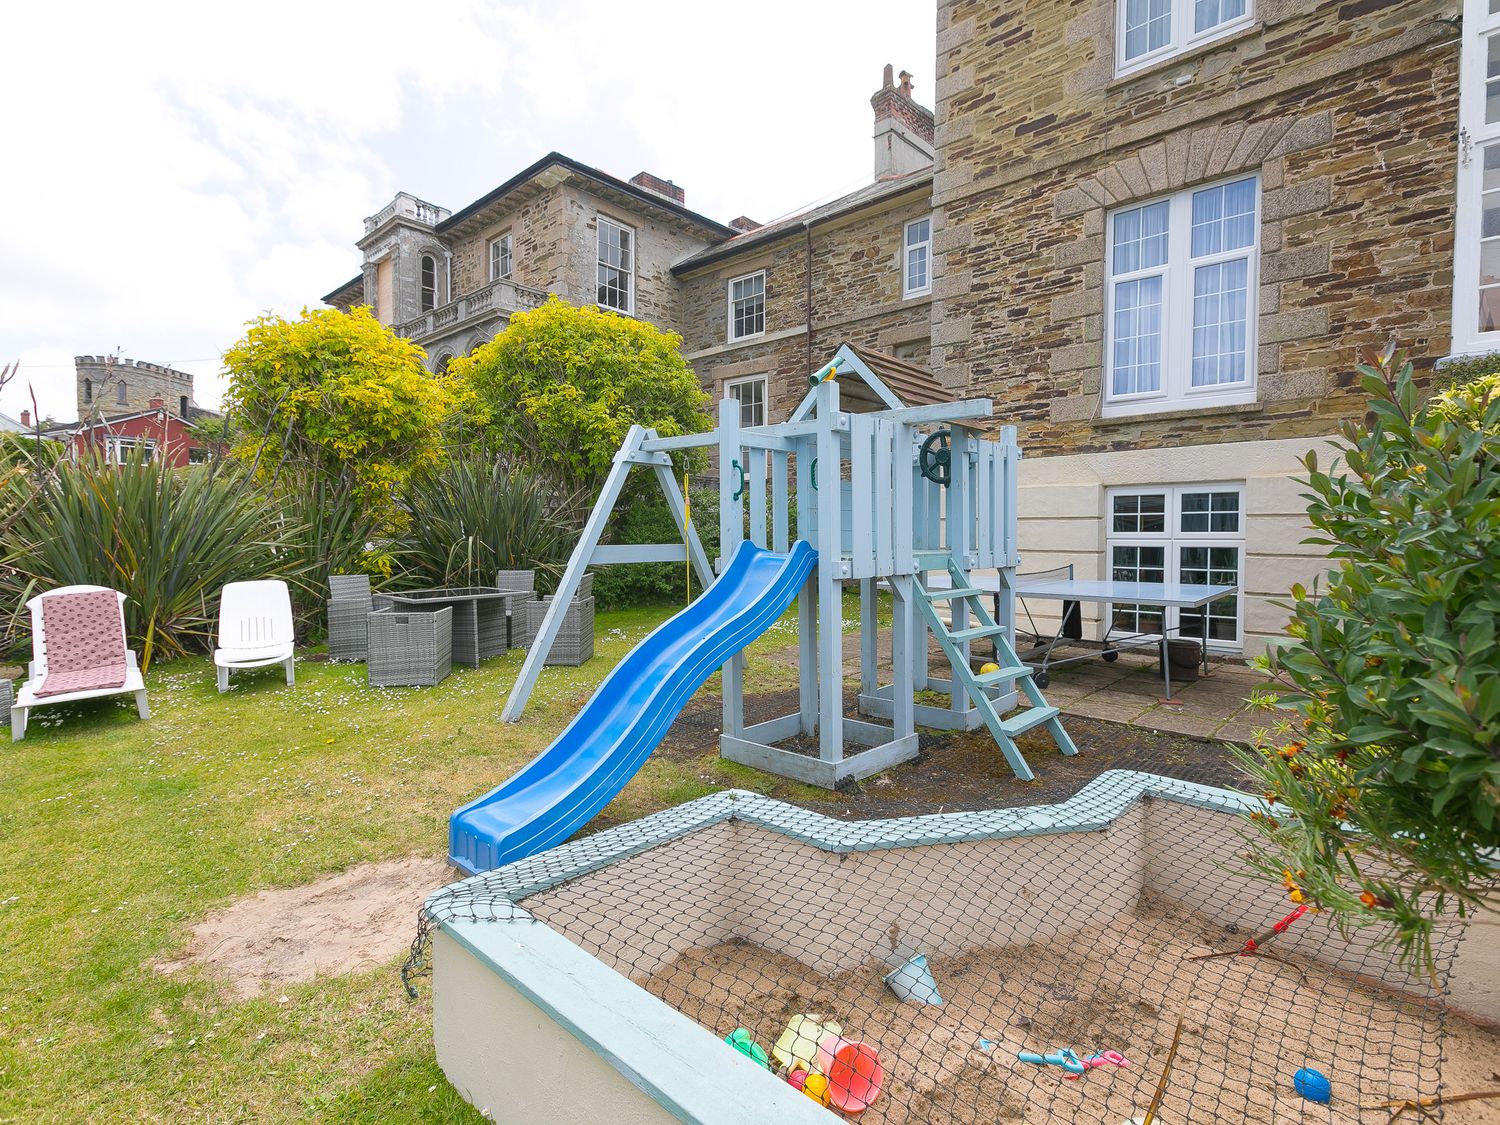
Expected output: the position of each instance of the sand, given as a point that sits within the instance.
(357, 919)
(1250, 1023)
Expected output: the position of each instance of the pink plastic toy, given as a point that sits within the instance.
(1103, 1058)
(855, 1075)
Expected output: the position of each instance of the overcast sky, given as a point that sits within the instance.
(170, 171)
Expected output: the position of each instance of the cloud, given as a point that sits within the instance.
(175, 169)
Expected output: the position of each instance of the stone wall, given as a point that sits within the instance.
(143, 382)
(856, 297)
(536, 228)
(1349, 120)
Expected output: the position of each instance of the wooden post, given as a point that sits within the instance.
(731, 532)
(830, 559)
(807, 599)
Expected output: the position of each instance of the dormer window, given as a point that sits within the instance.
(429, 283)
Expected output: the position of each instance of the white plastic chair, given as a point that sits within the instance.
(255, 628)
(36, 671)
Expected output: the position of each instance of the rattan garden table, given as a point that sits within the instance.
(479, 628)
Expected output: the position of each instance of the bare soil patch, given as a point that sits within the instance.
(356, 919)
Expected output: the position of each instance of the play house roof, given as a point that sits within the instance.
(871, 380)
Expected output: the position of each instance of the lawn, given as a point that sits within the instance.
(117, 835)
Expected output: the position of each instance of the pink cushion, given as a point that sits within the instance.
(85, 644)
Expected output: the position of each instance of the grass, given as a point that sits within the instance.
(116, 835)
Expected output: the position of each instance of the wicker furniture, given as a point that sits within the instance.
(521, 583)
(575, 639)
(410, 649)
(479, 629)
(349, 604)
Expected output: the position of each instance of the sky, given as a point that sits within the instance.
(170, 171)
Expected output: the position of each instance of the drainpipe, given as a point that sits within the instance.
(808, 300)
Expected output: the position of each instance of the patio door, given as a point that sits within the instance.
(1190, 533)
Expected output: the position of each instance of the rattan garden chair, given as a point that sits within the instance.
(410, 649)
(349, 605)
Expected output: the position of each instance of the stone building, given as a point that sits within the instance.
(1158, 233)
(1165, 232)
(449, 280)
(109, 386)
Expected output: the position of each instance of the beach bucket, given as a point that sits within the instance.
(913, 982)
(743, 1042)
(854, 1073)
(799, 1042)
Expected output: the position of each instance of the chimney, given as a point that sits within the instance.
(157, 403)
(744, 224)
(26, 419)
(658, 186)
(903, 129)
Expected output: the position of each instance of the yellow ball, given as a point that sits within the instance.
(816, 1087)
(986, 669)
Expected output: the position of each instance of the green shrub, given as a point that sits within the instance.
(1386, 790)
(473, 517)
(167, 538)
(649, 520)
(320, 529)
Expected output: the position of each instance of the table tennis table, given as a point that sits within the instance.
(1060, 585)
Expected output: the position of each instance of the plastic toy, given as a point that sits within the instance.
(743, 1042)
(797, 1079)
(854, 1072)
(1067, 1058)
(797, 1046)
(1278, 929)
(913, 982)
(816, 1087)
(1313, 1085)
(1102, 1058)
(986, 669)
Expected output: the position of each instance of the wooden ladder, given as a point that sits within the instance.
(1012, 668)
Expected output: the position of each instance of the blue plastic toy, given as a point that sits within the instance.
(1313, 1085)
(1067, 1058)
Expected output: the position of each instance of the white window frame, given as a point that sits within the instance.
(1181, 39)
(1177, 391)
(729, 305)
(117, 448)
(907, 246)
(506, 247)
(600, 222)
(765, 396)
(1479, 26)
(422, 290)
(1172, 538)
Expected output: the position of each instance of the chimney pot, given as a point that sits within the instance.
(888, 80)
(906, 84)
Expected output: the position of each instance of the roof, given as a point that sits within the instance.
(357, 280)
(871, 193)
(870, 381)
(195, 414)
(9, 425)
(557, 159)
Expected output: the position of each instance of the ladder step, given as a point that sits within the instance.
(978, 631)
(950, 595)
(1002, 676)
(932, 560)
(1027, 720)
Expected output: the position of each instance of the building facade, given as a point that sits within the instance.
(1159, 234)
(1167, 232)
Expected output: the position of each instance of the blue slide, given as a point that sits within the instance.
(611, 738)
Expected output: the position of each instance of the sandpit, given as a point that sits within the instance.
(357, 919)
(1118, 987)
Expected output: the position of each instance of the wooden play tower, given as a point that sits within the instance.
(911, 498)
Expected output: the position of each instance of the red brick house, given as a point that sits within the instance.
(163, 434)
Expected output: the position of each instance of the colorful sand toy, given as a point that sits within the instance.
(913, 982)
(798, 1045)
(1313, 1085)
(855, 1074)
(743, 1042)
(815, 1086)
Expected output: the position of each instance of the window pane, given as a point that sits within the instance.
(1492, 76)
(919, 231)
(1140, 238)
(1148, 26)
(1223, 217)
(1137, 337)
(1210, 13)
(1489, 309)
(1220, 320)
(1218, 566)
(916, 268)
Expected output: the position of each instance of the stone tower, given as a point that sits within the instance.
(109, 386)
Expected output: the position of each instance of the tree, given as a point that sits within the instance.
(561, 386)
(1384, 791)
(340, 394)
